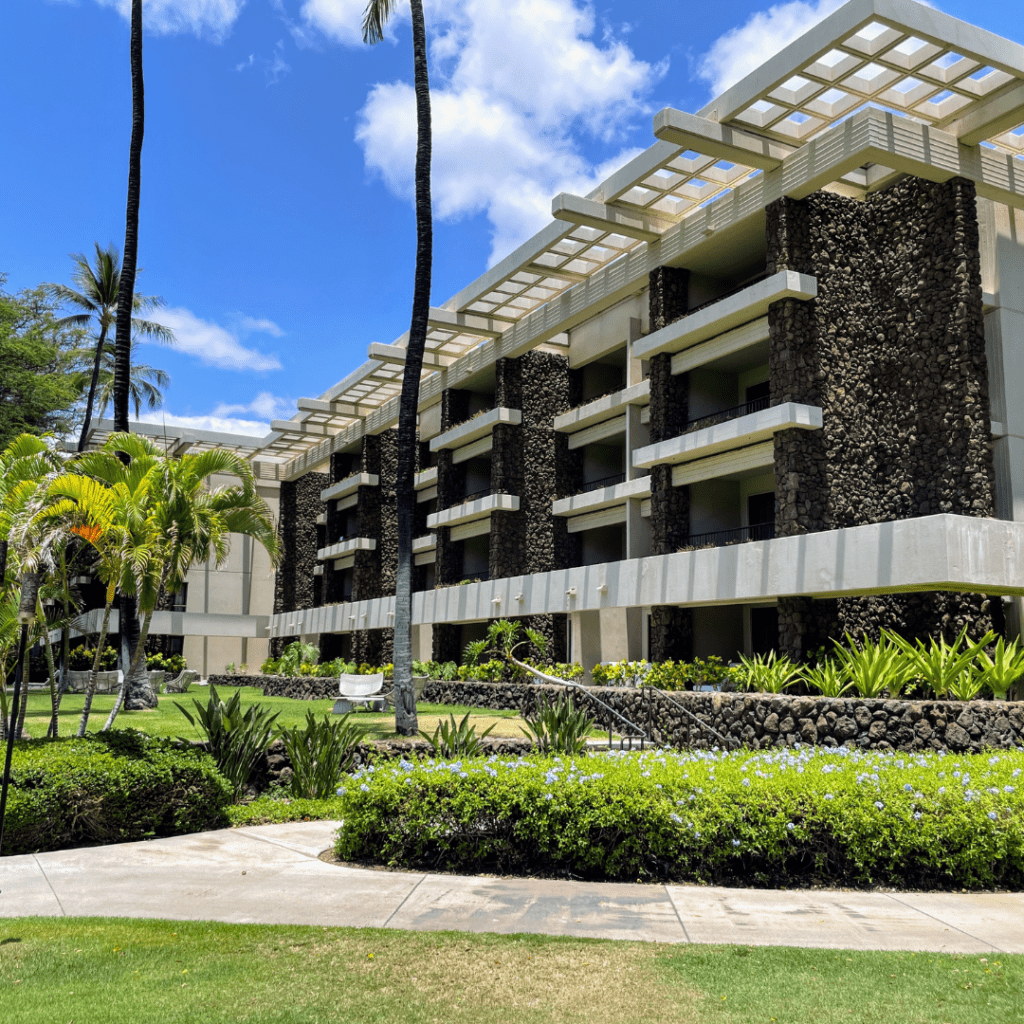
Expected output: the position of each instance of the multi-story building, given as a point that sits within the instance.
(758, 389)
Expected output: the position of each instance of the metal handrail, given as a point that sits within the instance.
(740, 535)
(485, 493)
(734, 291)
(756, 405)
(608, 481)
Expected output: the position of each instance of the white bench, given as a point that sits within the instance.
(365, 690)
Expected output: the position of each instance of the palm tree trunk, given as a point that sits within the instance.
(126, 289)
(139, 695)
(51, 666)
(93, 384)
(137, 658)
(406, 723)
(22, 709)
(90, 690)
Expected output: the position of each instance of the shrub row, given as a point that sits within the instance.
(109, 788)
(784, 817)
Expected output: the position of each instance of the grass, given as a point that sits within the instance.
(167, 720)
(92, 970)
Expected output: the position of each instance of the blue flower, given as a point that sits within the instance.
(917, 815)
(735, 842)
(992, 815)
(790, 826)
(364, 788)
(908, 788)
(879, 804)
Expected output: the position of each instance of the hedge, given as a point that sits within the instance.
(773, 818)
(109, 788)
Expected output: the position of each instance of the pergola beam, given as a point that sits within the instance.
(398, 354)
(645, 227)
(462, 323)
(334, 408)
(718, 140)
(995, 115)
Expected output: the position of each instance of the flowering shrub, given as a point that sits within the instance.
(838, 816)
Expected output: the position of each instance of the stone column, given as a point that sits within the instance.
(294, 581)
(671, 627)
(893, 352)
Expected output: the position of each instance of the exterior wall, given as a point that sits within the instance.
(893, 352)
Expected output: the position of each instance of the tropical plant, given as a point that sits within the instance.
(95, 293)
(295, 656)
(827, 678)
(968, 684)
(235, 738)
(375, 17)
(937, 663)
(457, 739)
(874, 668)
(559, 727)
(320, 753)
(81, 659)
(768, 673)
(1003, 668)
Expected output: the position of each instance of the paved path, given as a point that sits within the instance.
(272, 875)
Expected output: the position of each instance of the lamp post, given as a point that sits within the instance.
(26, 616)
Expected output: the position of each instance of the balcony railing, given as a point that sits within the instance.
(722, 538)
(733, 291)
(607, 481)
(728, 414)
(484, 493)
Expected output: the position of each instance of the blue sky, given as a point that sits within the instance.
(277, 220)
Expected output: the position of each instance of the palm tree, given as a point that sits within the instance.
(375, 17)
(190, 522)
(145, 385)
(126, 286)
(95, 294)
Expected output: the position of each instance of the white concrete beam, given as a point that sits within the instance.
(717, 140)
(576, 210)
(398, 355)
(335, 408)
(996, 114)
(464, 323)
(944, 552)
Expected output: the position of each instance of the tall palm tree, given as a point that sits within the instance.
(126, 286)
(95, 294)
(146, 384)
(375, 17)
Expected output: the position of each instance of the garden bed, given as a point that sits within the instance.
(780, 818)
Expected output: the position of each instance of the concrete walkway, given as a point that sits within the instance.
(272, 875)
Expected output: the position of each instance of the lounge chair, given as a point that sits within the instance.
(360, 690)
(181, 683)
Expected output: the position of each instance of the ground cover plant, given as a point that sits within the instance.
(784, 817)
(109, 788)
(94, 970)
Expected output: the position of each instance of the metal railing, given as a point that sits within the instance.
(607, 481)
(734, 291)
(484, 493)
(728, 414)
(720, 538)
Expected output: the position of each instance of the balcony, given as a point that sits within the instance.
(343, 488)
(757, 405)
(425, 478)
(475, 428)
(600, 409)
(723, 538)
(474, 507)
(733, 433)
(602, 494)
(726, 313)
(346, 546)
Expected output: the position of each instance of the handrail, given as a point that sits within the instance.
(754, 405)
(740, 535)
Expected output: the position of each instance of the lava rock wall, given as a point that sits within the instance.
(893, 352)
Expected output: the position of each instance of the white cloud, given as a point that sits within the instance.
(273, 67)
(249, 323)
(513, 87)
(742, 49)
(215, 345)
(265, 405)
(224, 424)
(208, 19)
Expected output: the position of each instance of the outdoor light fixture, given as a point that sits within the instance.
(602, 588)
(519, 596)
(571, 592)
(495, 600)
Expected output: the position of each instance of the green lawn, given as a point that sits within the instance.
(97, 970)
(167, 720)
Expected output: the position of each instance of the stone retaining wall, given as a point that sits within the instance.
(757, 720)
(760, 720)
